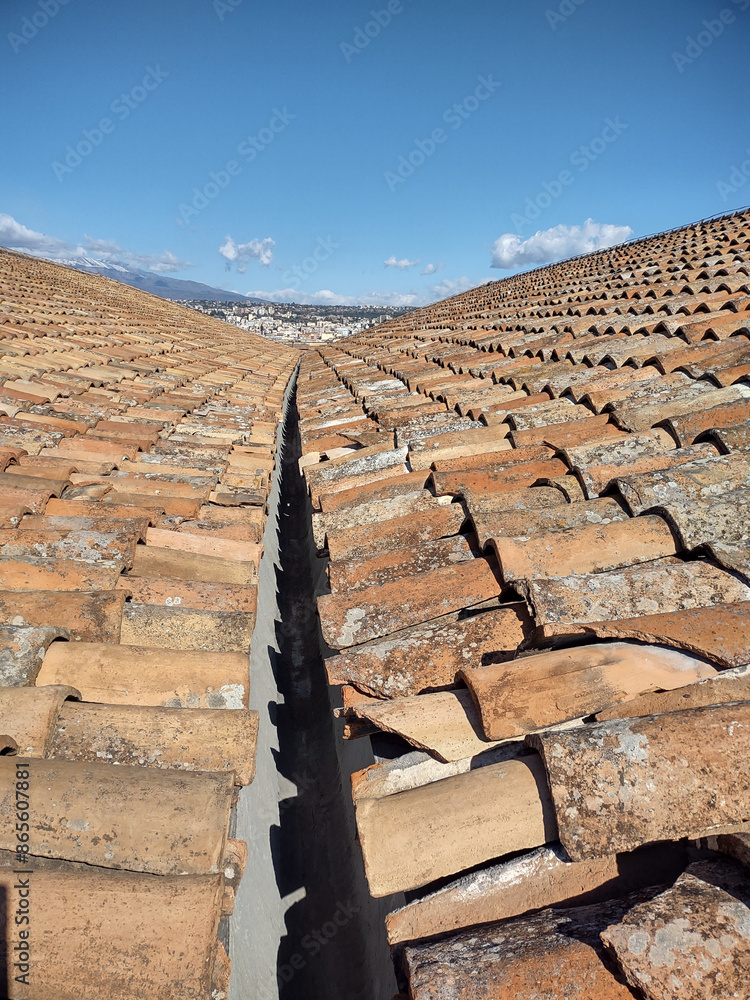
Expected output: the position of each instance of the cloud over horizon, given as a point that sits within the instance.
(432, 268)
(240, 254)
(15, 236)
(550, 245)
(326, 297)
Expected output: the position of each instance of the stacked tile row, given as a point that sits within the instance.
(137, 445)
(534, 501)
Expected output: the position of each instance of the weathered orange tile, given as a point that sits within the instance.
(395, 486)
(701, 913)
(589, 549)
(495, 478)
(692, 765)
(721, 634)
(398, 532)
(196, 594)
(559, 951)
(427, 657)
(350, 619)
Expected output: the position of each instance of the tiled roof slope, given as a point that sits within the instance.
(535, 502)
(137, 439)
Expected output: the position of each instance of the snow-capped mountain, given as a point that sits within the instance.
(92, 264)
(150, 281)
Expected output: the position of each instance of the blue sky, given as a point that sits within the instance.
(395, 151)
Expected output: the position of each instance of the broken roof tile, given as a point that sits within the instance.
(427, 657)
(721, 634)
(351, 619)
(445, 723)
(530, 693)
(729, 685)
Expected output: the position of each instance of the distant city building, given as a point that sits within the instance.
(295, 322)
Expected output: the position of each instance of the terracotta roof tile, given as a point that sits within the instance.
(428, 657)
(128, 913)
(445, 722)
(558, 951)
(76, 407)
(110, 835)
(548, 688)
(164, 738)
(350, 619)
(703, 918)
(415, 836)
(666, 585)
(730, 685)
(492, 524)
(690, 761)
(496, 477)
(384, 524)
(533, 881)
(717, 633)
(591, 548)
(179, 628)
(403, 563)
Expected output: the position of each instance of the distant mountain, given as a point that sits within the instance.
(156, 284)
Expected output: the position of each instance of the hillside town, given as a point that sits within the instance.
(290, 321)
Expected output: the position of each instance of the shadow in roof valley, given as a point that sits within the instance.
(335, 938)
(6, 944)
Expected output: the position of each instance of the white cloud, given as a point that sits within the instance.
(16, 236)
(402, 264)
(557, 243)
(432, 268)
(242, 253)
